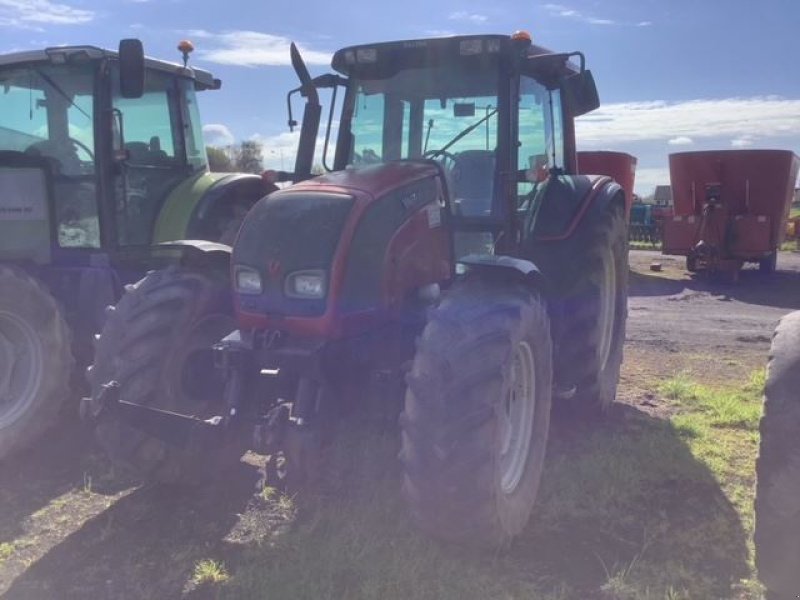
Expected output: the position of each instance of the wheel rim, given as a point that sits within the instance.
(20, 367)
(608, 297)
(517, 418)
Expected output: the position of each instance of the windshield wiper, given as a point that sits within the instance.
(66, 97)
(463, 134)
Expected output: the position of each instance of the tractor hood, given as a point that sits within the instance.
(317, 249)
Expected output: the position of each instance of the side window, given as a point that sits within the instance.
(367, 127)
(156, 161)
(150, 124)
(541, 139)
(193, 127)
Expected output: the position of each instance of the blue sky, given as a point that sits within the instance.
(673, 75)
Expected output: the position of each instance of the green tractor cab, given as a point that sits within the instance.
(102, 163)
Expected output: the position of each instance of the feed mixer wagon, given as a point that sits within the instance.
(731, 207)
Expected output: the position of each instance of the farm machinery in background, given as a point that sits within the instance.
(102, 161)
(451, 255)
(731, 207)
(647, 219)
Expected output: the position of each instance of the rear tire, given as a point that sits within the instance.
(477, 414)
(592, 332)
(156, 344)
(36, 360)
(777, 507)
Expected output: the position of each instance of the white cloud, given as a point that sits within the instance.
(217, 134)
(559, 10)
(648, 178)
(681, 140)
(743, 141)
(644, 23)
(439, 33)
(744, 119)
(462, 15)
(31, 14)
(253, 48)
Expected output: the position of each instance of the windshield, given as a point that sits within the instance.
(449, 114)
(47, 111)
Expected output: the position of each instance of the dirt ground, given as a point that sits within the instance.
(70, 529)
(711, 329)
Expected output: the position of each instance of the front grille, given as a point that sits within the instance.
(287, 232)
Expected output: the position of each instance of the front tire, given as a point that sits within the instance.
(477, 414)
(36, 360)
(777, 507)
(156, 344)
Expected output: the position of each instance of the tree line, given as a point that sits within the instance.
(247, 157)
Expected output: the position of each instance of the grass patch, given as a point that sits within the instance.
(636, 245)
(209, 571)
(6, 551)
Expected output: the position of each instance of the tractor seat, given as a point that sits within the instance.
(473, 182)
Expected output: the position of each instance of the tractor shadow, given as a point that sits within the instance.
(625, 511)
(144, 545)
(626, 508)
(33, 478)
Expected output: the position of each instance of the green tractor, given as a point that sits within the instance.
(102, 169)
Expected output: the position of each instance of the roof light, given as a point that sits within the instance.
(185, 47)
(521, 35)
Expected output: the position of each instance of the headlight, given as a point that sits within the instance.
(306, 284)
(248, 281)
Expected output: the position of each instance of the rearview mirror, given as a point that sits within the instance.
(579, 93)
(131, 68)
(464, 109)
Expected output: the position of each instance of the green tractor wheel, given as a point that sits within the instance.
(156, 344)
(35, 359)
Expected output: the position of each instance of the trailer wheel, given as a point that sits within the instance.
(156, 344)
(592, 326)
(768, 264)
(777, 508)
(35, 359)
(477, 413)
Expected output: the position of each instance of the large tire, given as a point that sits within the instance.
(471, 477)
(593, 316)
(777, 527)
(156, 345)
(35, 359)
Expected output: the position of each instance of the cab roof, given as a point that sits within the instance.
(75, 54)
(384, 60)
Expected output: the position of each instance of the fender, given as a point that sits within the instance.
(195, 253)
(566, 202)
(202, 206)
(226, 201)
(482, 265)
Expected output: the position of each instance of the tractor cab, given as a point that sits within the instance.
(109, 157)
(495, 111)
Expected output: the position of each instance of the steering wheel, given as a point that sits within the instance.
(449, 161)
(83, 147)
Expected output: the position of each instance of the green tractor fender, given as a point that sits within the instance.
(208, 206)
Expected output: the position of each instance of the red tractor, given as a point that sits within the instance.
(451, 249)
